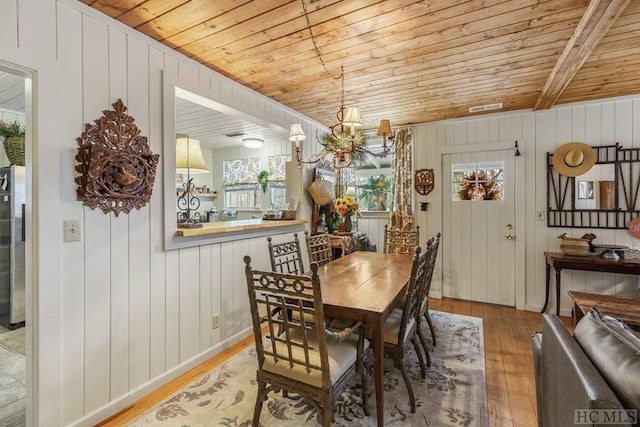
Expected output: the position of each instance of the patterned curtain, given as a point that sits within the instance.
(278, 167)
(401, 208)
(241, 171)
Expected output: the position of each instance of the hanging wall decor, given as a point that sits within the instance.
(117, 168)
(424, 181)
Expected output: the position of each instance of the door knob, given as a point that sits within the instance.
(509, 236)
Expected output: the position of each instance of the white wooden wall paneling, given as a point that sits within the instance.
(139, 241)
(216, 289)
(119, 230)
(172, 310)
(189, 305)
(97, 305)
(157, 259)
(205, 288)
(67, 348)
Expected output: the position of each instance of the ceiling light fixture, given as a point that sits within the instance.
(253, 142)
(344, 143)
(189, 160)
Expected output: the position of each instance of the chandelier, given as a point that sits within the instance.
(345, 144)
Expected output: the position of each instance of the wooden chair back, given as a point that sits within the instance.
(401, 241)
(286, 257)
(319, 248)
(431, 262)
(412, 302)
(284, 303)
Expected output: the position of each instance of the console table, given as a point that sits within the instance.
(560, 261)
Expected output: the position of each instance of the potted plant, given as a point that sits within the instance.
(375, 192)
(263, 179)
(13, 134)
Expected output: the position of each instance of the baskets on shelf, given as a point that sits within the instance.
(14, 147)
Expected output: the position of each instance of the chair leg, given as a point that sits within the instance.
(365, 387)
(258, 407)
(433, 331)
(326, 416)
(423, 370)
(399, 362)
(423, 341)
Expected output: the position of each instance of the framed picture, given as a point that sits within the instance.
(585, 190)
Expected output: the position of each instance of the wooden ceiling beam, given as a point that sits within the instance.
(594, 25)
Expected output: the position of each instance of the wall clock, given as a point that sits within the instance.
(424, 181)
(117, 168)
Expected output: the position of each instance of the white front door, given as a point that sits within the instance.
(479, 229)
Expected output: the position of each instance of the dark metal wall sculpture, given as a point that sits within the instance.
(117, 168)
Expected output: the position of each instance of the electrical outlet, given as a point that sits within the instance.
(72, 231)
(540, 215)
(216, 321)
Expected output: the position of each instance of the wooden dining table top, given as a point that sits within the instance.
(364, 281)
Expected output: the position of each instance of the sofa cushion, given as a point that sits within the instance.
(614, 349)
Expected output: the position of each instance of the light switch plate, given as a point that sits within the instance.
(72, 231)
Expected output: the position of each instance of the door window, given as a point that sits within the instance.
(477, 181)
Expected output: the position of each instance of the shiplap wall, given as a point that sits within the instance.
(115, 315)
(595, 123)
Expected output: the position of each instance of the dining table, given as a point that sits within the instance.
(366, 286)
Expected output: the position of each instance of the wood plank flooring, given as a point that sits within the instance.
(511, 394)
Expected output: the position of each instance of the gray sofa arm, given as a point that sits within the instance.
(568, 380)
(536, 347)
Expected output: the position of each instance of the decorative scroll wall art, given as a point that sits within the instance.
(117, 168)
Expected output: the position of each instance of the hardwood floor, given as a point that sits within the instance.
(511, 394)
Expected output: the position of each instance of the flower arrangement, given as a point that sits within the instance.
(10, 129)
(345, 207)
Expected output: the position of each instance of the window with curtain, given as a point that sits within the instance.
(240, 178)
(277, 177)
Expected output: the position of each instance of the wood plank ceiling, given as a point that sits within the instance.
(405, 60)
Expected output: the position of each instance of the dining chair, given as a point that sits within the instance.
(319, 248)
(297, 356)
(286, 257)
(400, 327)
(424, 310)
(401, 241)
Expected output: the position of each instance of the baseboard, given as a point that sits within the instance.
(121, 403)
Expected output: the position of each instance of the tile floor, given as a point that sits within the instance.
(12, 378)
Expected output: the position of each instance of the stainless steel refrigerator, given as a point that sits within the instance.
(12, 237)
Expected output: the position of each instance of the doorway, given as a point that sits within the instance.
(15, 108)
(479, 220)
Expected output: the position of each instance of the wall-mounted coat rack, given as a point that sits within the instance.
(562, 209)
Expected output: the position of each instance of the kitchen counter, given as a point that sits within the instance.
(212, 228)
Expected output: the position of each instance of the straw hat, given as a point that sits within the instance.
(573, 159)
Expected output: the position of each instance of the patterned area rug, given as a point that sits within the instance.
(453, 394)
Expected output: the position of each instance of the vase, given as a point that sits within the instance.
(341, 227)
(347, 224)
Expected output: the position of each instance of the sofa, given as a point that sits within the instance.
(589, 378)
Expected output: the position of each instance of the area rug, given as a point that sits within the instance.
(453, 394)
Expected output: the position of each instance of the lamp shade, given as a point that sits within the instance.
(352, 117)
(189, 157)
(252, 142)
(384, 128)
(297, 134)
